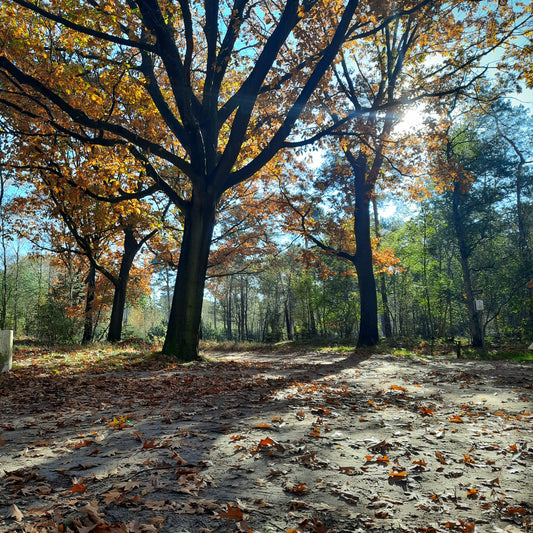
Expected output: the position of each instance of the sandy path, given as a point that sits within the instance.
(308, 442)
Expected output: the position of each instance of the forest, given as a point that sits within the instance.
(252, 172)
(268, 264)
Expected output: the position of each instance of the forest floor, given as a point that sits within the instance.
(265, 442)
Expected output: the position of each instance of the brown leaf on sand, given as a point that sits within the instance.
(15, 512)
(91, 509)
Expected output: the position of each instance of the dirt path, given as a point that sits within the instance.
(271, 443)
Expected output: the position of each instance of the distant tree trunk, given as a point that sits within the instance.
(288, 320)
(229, 311)
(386, 321)
(16, 291)
(3, 309)
(243, 309)
(88, 327)
(464, 254)
(431, 328)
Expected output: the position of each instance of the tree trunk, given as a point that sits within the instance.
(184, 323)
(474, 321)
(131, 247)
(88, 325)
(368, 324)
(16, 291)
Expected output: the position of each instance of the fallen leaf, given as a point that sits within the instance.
(300, 488)
(93, 511)
(397, 476)
(78, 487)
(266, 442)
(15, 512)
(233, 513)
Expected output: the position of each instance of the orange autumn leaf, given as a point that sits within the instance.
(426, 411)
(472, 493)
(147, 445)
(78, 487)
(398, 387)
(233, 513)
(236, 437)
(440, 458)
(397, 476)
(300, 488)
(266, 442)
(121, 422)
(261, 425)
(515, 510)
(456, 419)
(82, 444)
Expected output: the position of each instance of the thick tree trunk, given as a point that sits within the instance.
(184, 323)
(88, 325)
(474, 321)
(368, 324)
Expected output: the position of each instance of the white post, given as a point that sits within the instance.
(6, 349)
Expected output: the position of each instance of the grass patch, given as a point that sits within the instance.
(509, 354)
(94, 359)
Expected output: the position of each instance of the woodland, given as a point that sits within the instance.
(266, 172)
(268, 265)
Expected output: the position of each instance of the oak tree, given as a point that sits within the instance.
(202, 95)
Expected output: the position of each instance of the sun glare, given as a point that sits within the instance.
(412, 120)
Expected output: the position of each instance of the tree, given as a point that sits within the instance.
(422, 56)
(180, 86)
(108, 236)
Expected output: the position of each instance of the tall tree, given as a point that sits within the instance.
(202, 95)
(424, 55)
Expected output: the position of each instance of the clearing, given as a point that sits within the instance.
(306, 442)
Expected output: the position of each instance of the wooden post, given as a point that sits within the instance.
(6, 348)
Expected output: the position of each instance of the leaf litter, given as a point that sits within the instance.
(268, 442)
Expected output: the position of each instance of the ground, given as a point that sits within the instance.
(308, 442)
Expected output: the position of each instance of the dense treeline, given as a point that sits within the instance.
(153, 157)
(470, 240)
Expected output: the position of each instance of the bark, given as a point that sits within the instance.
(131, 247)
(368, 324)
(474, 321)
(88, 325)
(183, 330)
